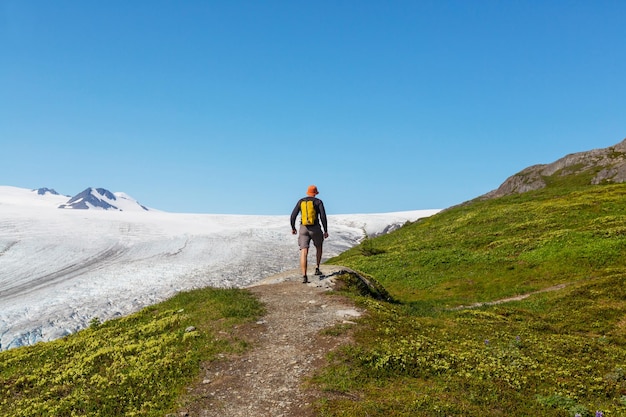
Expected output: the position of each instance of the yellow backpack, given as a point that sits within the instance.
(308, 212)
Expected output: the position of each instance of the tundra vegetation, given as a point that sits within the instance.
(133, 366)
(514, 306)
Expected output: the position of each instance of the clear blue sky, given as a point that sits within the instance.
(237, 106)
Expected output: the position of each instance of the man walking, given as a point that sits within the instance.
(312, 219)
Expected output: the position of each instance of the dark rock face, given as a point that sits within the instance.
(44, 191)
(101, 198)
(106, 193)
(609, 165)
(93, 196)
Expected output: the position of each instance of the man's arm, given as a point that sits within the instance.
(294, 214)
(323, 219)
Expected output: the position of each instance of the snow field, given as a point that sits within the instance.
(59, 268)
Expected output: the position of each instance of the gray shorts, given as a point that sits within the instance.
(308, 233)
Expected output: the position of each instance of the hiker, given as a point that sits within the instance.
(312, 213)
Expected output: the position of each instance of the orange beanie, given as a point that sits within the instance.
(312, 191)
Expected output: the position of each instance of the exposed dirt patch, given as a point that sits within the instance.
(287, 347)
(510, 299)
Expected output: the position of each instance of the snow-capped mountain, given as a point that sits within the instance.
(44, 191)
(59, 269)
(21, 197)
(102, 199)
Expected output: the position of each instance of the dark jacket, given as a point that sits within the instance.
(319, 211)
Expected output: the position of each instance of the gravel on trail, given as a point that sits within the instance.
(287, 347)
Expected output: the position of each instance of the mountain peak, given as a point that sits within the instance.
(44, 191)
(102, 199)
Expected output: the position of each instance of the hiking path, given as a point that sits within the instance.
(287, 346)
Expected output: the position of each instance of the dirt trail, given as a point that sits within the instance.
(287, 348)
(510, 299)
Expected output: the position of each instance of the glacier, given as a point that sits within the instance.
(60, 269)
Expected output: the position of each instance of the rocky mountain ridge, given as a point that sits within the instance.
(103, 199)
(605, 165)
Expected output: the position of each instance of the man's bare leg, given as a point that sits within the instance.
(318, 258)
(304, 253)
(318, 255)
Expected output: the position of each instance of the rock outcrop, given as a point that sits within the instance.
(607, 165)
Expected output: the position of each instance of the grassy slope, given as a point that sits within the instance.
(556, 353)
(134, 366)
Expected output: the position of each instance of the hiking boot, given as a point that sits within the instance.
(305, 279)
(317, 271)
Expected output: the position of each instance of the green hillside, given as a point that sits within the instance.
(137, 365)
(514, 306)
(456, 343)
